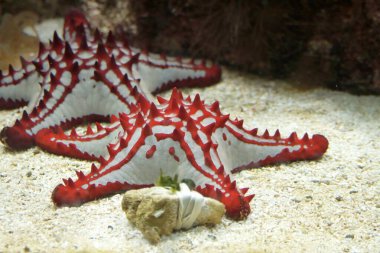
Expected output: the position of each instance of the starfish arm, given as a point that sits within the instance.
(157, 71)
(160, 72)
(18, 87)
(242, 149)
(90, 146)
(93, 145)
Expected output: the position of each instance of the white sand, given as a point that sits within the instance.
(330, 205)
(322, 206)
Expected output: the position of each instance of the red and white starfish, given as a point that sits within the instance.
(77, 80)
(180, 137)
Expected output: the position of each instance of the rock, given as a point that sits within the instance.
(159, 211)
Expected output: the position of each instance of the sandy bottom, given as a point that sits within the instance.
(329, 205)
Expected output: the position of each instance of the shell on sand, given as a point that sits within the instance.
(155, 211)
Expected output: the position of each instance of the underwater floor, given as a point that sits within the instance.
(329, 205)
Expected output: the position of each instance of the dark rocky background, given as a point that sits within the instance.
(314, 43)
